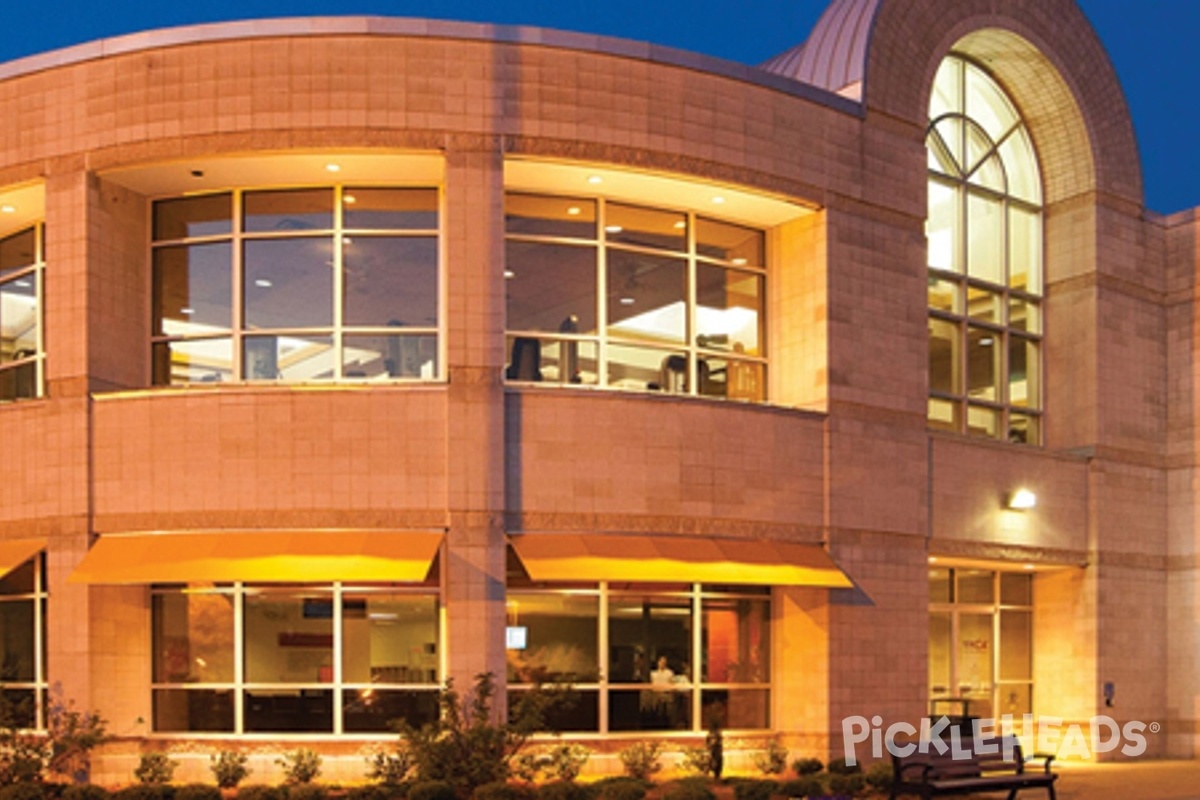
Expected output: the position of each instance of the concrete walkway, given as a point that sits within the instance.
(1139, 780)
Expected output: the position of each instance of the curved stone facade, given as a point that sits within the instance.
(837, 459)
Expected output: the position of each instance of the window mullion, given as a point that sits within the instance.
(339, 284)
(239, 654)
(602, 291)
(602, 657)
(239, 281)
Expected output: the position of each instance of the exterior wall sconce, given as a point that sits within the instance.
(1021, 500)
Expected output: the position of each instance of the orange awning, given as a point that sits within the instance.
(674, 559)
(270, 556)
(15, 552)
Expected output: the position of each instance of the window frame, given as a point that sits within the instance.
(238, 333)
(39, 599)
(37, 272)
(962, 402)
(340, 689)
(604, 686)
(604, 340)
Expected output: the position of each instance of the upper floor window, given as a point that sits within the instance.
(296, 285)
(22, 353)
(985, 261)
(609, 294)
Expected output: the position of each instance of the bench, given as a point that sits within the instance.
(933, 774)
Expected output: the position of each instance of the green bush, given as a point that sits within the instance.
(259, 792)
(754, 790)
(497, 791)
(155, 769)
(72, 735)
(564, 790)
(642, 760)
(228, 768)
(85, 791)
(879, 776)
(621, 788)
(807, 766)
(432, 790)
(389, 767)
(839, 767)
(847, 784)
(23, 791)
(300, 766)
(143, 791)
(466, 747)
(689, 789)
(307, 791)
(197, 791)
(808, 786)
(773, 759)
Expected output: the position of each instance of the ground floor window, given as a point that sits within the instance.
(980, 642)
(645, 657)
(305, 658)
(23, 642)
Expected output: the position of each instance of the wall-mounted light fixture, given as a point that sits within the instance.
(1021, 500)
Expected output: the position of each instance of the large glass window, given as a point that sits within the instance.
(22, 353)
(23, 641)
(294, 659)
(985, 261)
(609, 294)
(980, 642)
(645, 658)
(297, 285)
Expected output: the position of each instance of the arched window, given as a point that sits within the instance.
(985, 260)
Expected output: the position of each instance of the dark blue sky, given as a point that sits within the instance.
(1152, 42)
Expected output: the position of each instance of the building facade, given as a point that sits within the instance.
(345, 356)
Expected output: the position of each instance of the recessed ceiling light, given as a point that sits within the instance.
(8, 209)
(508, 273)
(574, 211)
(594, 179)
(680, 225)
(1029, 567)
(718, 200)
(613, 229)
(986, 341)
(187, 311)
(263, 283)
(739, 262)
(333, 167)
(349, 199)
(933, 559)
(627, 301)
(24, 284)
(346, 240)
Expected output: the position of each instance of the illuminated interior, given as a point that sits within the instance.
(985, 261)
(22, 264)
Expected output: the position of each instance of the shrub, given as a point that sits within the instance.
(432, 790)
(566, 761)
(697, 759)
(619, 789)
(754, 790)
(197, 791)
(879, 776)
(839, 767)
(689, 789)
(370, 792)
(85, 791)
(848, 784)
(155, 769)
(307, 791)
(259, 792)
(807, 766)
(300, 766)
(229, 768)
(389, 767)
(500, 791)
(22, 754)
(466, 746)
(143, 791)
(23, 791)
(772, 760)
(564, 790)
(642, 760)
(808, 786)
(72, 735)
